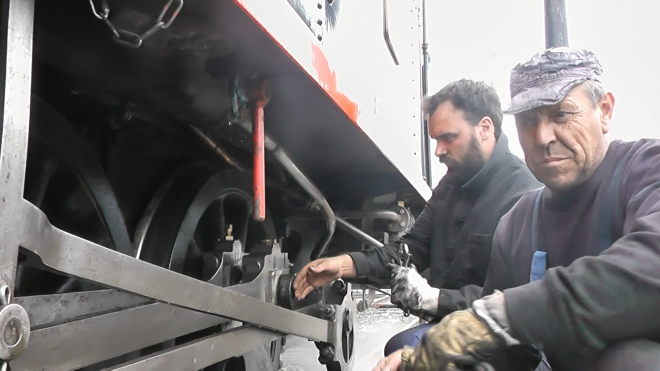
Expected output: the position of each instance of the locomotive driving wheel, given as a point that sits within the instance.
(67, 182)
(196, 215)
(340, 356)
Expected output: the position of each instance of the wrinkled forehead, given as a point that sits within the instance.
(575, 98)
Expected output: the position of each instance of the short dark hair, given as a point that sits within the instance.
(475, 98)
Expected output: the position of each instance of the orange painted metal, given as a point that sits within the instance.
(253, 94)
(259, 169)
(328, 81)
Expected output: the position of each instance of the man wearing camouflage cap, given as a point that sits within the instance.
(575, 266)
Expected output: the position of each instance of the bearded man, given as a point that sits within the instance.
(452, 236)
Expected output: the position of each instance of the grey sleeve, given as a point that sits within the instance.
(371, 264)
(598, 300)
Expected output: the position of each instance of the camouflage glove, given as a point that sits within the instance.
(465, 339)
(460, 341)
(412, 292)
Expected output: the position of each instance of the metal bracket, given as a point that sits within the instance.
(61, 251)
(229, 260)
(338, 304)
(59, 345)
(368, 296)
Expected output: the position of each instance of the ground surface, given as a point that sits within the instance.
(374, 328)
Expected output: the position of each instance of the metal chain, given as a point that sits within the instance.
(128, 38)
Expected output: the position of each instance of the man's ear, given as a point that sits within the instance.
(485, 128)
(606, 108)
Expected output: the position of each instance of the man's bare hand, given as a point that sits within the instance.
(321, 272)
(391, 363)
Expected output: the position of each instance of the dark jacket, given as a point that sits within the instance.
(453, 234)
(595, 292)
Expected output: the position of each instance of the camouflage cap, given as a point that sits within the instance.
(547, 77)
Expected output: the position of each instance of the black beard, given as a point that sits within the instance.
(461, 172)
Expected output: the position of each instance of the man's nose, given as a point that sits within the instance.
(544, 132)
(440, 149)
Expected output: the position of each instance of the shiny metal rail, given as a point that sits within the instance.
(46, 309)
(18, 33)
(15, 131)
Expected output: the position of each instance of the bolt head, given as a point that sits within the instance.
(211, 262)
(12, 332)
(339, 287)
(402, 224)
(401, 211)
(15, 330)
(328, 311)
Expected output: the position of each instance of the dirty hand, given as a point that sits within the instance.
(411, 291)
(460, 341)
(320, 272)
(390, 363)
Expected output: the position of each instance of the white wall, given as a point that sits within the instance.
(626, 40)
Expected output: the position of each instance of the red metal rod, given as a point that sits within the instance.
(259, 170)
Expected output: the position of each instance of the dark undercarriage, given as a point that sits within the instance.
(127, 143)
(134, 108)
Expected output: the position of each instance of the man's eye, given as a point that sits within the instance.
(562, 115)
